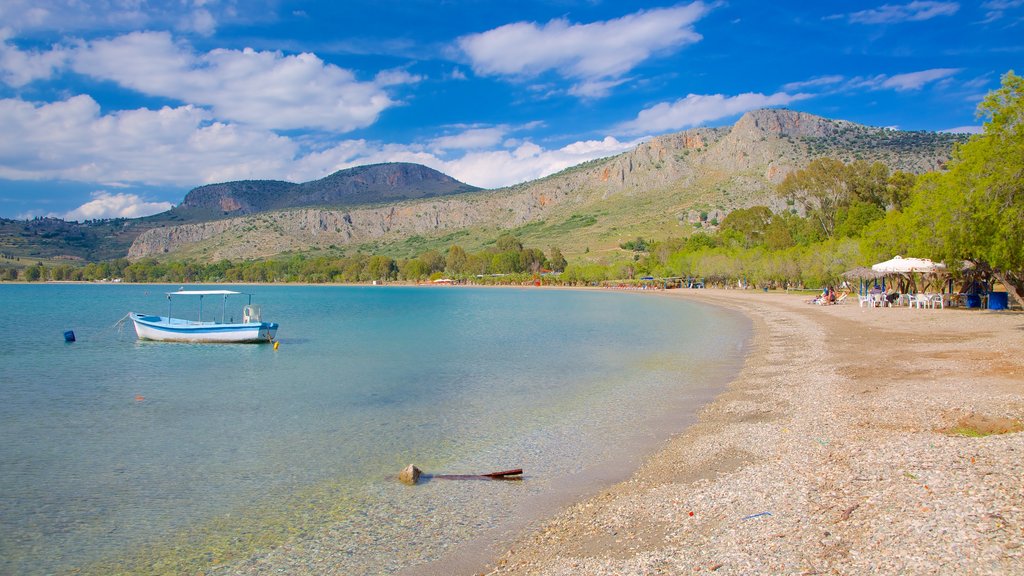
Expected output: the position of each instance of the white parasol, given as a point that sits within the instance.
(900, 264)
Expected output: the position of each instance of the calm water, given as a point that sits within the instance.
(152, 457)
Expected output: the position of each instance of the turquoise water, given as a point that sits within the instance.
(158, 457)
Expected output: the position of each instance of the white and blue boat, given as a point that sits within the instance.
(251, 329)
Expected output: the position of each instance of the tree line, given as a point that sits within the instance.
(839, 216)
(507, 257)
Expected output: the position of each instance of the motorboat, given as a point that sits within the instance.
(251, 328)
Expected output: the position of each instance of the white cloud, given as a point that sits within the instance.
(916, 80)
(200, 21)
(913, 12)
(996, 9)
(965, 130)
(494, 169)
(69, 16)
(594, 54)
(470, 139)
(107, 205)
(18, 68)
(483, 168)
(72, 140)
(813, 83)
(697, 109)
(262, 89)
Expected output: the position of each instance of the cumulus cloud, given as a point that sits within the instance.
(18, 67)
(107, 205)
(697, 109)
(73, 140)
(896, 13)
(471, 139)
(529, 161)
(259, 88)
(484, 168)
(200, 21)
(594, 54)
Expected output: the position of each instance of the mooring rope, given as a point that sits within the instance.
(119, 325)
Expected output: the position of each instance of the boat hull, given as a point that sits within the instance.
(163, 329)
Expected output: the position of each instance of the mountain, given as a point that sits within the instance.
(52, 238)
(659, 189)
(371, 184)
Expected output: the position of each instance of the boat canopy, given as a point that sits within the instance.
(203, 293)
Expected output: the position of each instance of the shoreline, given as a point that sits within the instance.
(840, 447)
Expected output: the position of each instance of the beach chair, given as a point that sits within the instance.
(864, 301)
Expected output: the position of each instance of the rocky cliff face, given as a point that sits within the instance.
(722, 167)
(375, 183)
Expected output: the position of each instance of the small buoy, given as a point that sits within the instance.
(276, 344)
(69, 336)
(139, 398)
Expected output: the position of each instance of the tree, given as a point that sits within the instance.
(381, 268)
(556, 259)
(975, 211)
(823, 187)
(749, 223)
(508, 243)
(455, 260)
(34, 273)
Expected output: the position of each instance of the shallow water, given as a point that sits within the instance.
(120, 455)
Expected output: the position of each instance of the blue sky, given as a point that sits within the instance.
(119, 107)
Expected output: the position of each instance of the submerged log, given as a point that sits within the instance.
(514, 474)
(411, 475)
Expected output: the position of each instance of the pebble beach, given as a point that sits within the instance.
(854, 441)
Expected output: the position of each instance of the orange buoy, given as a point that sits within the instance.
(276, 344)
(139, 398)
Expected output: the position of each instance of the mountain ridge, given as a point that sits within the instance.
(651, 190)
(368, 184)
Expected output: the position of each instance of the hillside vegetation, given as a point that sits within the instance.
(669, 186)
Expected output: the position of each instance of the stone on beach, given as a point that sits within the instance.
(410, 475)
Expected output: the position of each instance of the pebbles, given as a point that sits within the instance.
(831, 453)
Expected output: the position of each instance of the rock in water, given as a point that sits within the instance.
(410, 474)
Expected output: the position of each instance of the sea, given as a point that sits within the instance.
(127, 456)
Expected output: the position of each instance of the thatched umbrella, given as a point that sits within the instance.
(863, 275)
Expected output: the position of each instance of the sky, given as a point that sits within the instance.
(117, 108)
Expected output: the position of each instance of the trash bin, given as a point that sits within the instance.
(997, 301)
(973, 301)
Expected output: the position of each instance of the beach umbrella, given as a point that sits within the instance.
(907, 267)
(864, 275)
(901, 265)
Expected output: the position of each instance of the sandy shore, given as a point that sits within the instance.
(847, 445)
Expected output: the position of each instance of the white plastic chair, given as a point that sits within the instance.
(921, 301)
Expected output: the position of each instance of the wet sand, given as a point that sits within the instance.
(854, 441)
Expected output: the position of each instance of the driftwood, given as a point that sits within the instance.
(412, 475)
(515, 474)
